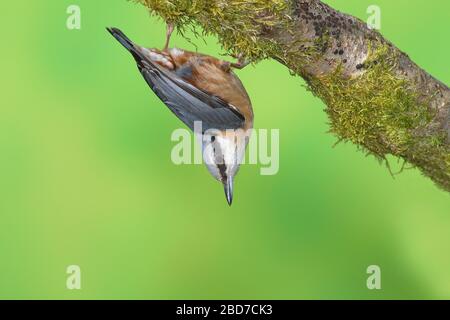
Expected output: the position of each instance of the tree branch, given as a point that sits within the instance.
(376, 96)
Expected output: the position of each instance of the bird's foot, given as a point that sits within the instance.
(170, 28)
(241, 63)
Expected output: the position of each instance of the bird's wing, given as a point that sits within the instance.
(189, 103)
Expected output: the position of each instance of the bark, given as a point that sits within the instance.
(376, 96)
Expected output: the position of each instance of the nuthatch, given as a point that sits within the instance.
(198, 87)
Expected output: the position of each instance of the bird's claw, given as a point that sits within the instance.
(241, 63)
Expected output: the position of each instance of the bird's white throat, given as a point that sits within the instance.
(223, 152)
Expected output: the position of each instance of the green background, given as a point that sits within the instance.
(86, 176)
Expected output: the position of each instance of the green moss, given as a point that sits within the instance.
(371, 107)
(227, 20)
(380, 112)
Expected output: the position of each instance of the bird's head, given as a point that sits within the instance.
(223, 152)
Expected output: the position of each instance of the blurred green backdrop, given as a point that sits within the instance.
(86, 176)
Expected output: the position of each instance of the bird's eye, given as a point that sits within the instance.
(213, 138)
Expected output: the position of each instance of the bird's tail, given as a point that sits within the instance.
(127, 43)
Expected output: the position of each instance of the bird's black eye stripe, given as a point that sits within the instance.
(223, 170)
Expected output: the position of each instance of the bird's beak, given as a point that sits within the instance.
(228, 187)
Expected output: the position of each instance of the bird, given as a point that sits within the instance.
(200, 88)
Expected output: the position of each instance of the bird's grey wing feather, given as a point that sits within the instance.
(188, 103)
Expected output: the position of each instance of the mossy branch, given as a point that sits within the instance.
(376, 96)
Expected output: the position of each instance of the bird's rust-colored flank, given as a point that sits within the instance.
(212, 75)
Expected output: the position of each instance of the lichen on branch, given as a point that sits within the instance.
(376, 96)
